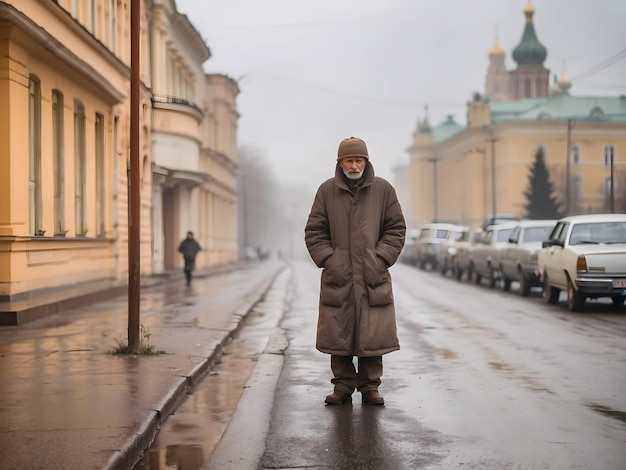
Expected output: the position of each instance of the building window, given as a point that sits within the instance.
(58, 162)
(609, 155)
(527, 89)
(34, 149)
(100, 176)
(80, 169)
(575, 154)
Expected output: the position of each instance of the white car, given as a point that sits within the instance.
(518, 258)
(424, 250)
(485, 256)
(445, 252)
(586, 256)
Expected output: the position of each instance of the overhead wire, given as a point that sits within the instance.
(601, 66)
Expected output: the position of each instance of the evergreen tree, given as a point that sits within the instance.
(541, 202)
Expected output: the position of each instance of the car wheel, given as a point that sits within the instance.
(551, 293)
(575, 300)
(524, 286)
(477, 277)
(456, 271)
(444, 268)
(618, 300)
(492, 278)
(506, 284)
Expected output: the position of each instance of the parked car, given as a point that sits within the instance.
(408, 254)
(586, 256)
(445, 252)
(425, 247)
(461, 260)
(485, 256)
(518, 258)
(500, 219)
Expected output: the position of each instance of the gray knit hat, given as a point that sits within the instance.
(352, 147)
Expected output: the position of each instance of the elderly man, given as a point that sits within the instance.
(355, 231)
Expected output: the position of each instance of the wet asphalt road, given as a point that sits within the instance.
(484, 380)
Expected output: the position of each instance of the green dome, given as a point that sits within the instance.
(529, 51)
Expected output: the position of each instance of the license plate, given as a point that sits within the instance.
(619, 282)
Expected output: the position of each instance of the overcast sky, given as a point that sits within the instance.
(312, 72)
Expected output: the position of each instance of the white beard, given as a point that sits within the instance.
(353, 176)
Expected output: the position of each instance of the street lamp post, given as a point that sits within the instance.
(434, 161)
(483, 152)
(570, 124)
(612, 184)
(493, 141)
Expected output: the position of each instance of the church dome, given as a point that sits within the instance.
(496, 50)
(529, 51)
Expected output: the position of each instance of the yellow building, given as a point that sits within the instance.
(466, 174)
(65, 143)
(194, 145)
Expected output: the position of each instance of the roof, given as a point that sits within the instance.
(559, 107)
(446, 129)
(594, 218)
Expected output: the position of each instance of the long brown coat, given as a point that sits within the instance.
(356, 235)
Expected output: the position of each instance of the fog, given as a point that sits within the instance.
(314, 72)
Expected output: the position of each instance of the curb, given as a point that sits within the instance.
(135, 446)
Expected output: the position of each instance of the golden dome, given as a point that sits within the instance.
(496, 49)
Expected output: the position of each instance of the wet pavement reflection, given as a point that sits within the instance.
(188, 437)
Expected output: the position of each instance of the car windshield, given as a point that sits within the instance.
(598, 232)
(503, 235)
(458, 236)
(537, 234)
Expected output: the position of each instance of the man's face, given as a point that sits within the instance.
(353, 167)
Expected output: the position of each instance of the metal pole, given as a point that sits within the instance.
(493, 177)
(612, 187)
(134, 190)
(434, 161)
(244, 180)
(435, 189)
(484, 178)
(567, 166)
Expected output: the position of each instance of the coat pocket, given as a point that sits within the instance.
(377, 281)
(380, 295)
(336, 280)
(334, 296)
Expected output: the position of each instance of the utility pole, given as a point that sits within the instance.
(612, 184)
(434, 161)
(493, 141)
(134, 222)
(570, 124)
(244, 216)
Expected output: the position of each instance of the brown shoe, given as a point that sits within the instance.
(338, 398)
(372, 397)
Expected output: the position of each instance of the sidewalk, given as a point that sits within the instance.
(66, 403)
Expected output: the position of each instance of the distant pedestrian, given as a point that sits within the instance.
(189, 248)
(355, 231)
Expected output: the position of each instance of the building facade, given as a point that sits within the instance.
(465, 174)
(65, 143)
(194, 145)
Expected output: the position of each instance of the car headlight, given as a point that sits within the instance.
(581, 264)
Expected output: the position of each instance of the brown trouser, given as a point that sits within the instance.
(346, 378)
